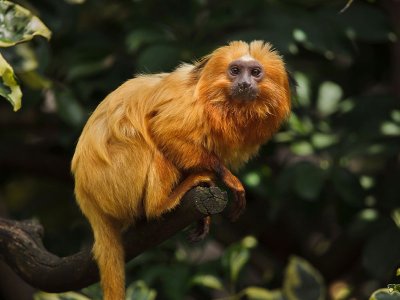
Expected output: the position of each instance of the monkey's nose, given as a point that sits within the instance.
(244, 90)
(244, 85)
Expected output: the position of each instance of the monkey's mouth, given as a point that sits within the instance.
(244, 93)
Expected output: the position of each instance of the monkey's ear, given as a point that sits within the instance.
(199, 66)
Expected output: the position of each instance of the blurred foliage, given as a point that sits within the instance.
(326, 188)
(220, 279)
(138, 290)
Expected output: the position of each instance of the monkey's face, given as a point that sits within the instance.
(250, 78)
(245, 74)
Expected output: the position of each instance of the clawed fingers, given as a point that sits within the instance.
(234, 184)
(201, 230)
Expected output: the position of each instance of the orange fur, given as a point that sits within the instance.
(157, 136)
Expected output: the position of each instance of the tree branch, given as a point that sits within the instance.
(22, 249)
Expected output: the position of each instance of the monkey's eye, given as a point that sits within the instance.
(234, 70)
(256, 72)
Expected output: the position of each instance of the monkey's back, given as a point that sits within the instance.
(114, 153)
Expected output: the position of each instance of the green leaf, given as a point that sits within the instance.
(326, 38)
(35, 81)
(69, 109)
(309, 180)
(89, 67)
(323, 140)
(18, 24)
(377, 29)
(394, 287)
(390, 128)
(140, 37)
(385, 294)
(75, 1)
(93, 291)
(62, 296)
(257, 293)
(157, 58)
(396, 218)
(9, 87)
(348, 186)
(303, 90)
(395, 114)
(302, 281)
(176, 280)
(302, 125)
(138, 290)
(249, 242)
(252, 179)
(382, 252)
(329, 95)
(208, 281)
(25, 63)
(237, 260)
(237, 255)
(302, 148)
(26, 59)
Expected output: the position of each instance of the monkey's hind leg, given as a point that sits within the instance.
(201, 230)
(203, 178)
(203, 226)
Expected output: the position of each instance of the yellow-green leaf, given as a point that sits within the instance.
(209, 281)
(257, 293)
(302, 281)
(329, 95)
(385, 294)
(75, 1)
(9, 87)
(18, 24)
(62, 296)
(34, 80)
(140, 290)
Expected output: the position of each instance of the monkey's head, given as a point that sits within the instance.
(246, 76)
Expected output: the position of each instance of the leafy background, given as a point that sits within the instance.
(323, 212)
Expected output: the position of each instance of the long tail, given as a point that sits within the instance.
(109, 254)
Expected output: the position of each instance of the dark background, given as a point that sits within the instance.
(326, 188)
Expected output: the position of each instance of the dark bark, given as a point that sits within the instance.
(22, 249)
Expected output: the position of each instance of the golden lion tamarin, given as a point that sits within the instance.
(157, 136)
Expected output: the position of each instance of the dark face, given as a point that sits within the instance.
(245, 75)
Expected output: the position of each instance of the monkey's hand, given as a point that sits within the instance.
(234, 184)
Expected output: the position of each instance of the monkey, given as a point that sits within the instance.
(158, 135)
